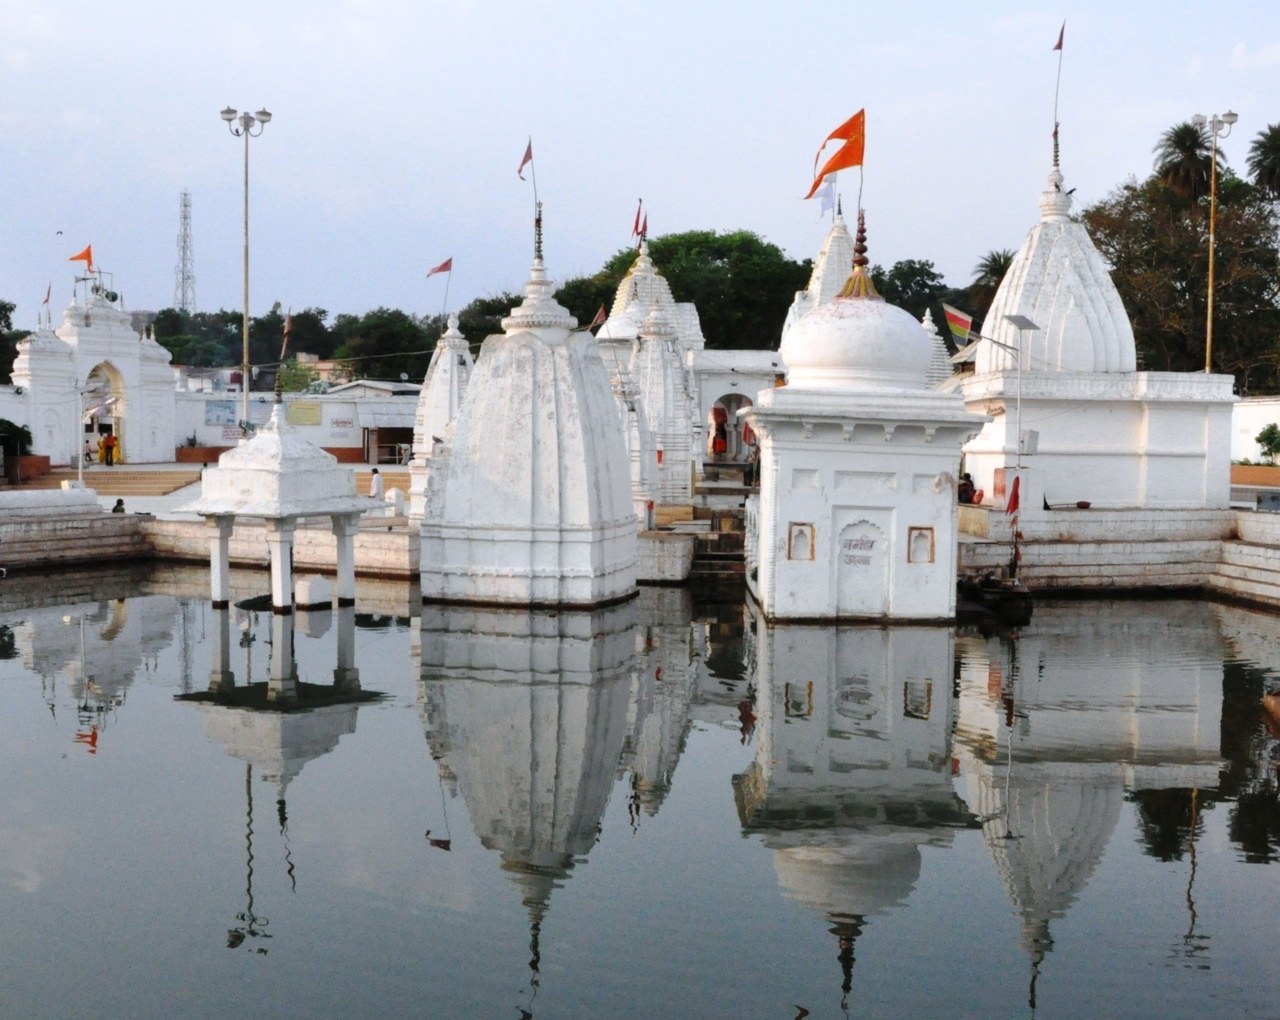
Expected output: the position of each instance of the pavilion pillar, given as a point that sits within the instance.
(345, 527)
(280, 545)
(346, 677)
(220, 560)
(282, 681)
(221, 678)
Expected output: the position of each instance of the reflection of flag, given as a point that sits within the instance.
(528, 158)
(85, 256)
(1011, 506)
(1061, 32)
(445, 267)
(961, 325)
(854, 133)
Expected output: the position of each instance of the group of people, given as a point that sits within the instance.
(108, 445)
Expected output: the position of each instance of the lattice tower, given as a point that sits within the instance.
(184, 287)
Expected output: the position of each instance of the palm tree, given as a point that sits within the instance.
(1183, 157)
(1264, 160)
(987, 275)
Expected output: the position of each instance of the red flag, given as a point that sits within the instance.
(85, 256)
(1061, 32)
(848, 155)
(635, 227)
(528, 158)
(599, 319)
(644, 227)
(48, 293)
(445, 267)
(855, 125)
(1011, 506)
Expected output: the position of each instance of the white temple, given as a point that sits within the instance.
(1093, 428)
(856, 511)
(445, 383)
(528, 502)
(95, 369)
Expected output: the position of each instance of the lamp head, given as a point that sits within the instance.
(263, 117)
(228, 115)
(1230, 118)
(1199, 120)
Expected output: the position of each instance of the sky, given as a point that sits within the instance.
(398, 127)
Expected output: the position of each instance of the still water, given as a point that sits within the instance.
(658, 810)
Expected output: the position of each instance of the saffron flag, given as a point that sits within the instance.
(1011, 506)
(1061, 32)
(445, 267)
(85, 256)
(600, 316)
(644, 227)
(854, 126)
(526, 160)
(961, 325)
(848, 155)
(48, 293)
(635, 227)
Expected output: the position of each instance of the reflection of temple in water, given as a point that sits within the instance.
(525, 714)
(276, 725)
(852, 769)
(1055, 730)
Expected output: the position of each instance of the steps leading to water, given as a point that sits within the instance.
(122, 481)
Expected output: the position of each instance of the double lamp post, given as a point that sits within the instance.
(1219, 127)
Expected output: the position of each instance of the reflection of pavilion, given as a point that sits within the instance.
(1055, 729)
(851, 776)
(527, 712)
(276, 725)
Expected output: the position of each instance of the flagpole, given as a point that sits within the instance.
(1057, 88)
(444, 309)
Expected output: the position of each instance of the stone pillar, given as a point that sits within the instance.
(221, 678)
(220, 560)
(345, 527)
(282, 681)
(346, 677)
(280, 544)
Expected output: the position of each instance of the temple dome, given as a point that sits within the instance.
(1059, 281)
(857, 340)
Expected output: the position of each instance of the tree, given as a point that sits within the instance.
(987, 275)
(296, 376)
(1184, 157)
(1157, 246)
(1269, 440)
(1264, 160)
(383, 344)
(741, 284)
(911, 284)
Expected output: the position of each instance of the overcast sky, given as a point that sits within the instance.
(399, 124)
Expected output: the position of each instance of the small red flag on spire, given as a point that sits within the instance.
(526, 160)
(635, 227)
(445, 267)
(1061, 32)
(48, 293)
(601, 315)
(644, 227)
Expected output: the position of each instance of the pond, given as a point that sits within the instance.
(661, 809)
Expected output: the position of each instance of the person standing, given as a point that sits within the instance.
(109, 446)
(375, 485)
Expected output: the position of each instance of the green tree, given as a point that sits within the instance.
(911, 284)
(1264, 160)
(987, 275)
(741, 284)
(1184, 156)
(383, 343)
(1269, 440)
(296, 376)
(1157, 246)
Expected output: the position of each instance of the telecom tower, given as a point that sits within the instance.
(184, 287)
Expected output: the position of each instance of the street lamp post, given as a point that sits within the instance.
(1219, 127)
(242, 125)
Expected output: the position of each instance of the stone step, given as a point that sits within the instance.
(122, 482)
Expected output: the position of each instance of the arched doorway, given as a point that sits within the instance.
(102, 409)
(728, 439)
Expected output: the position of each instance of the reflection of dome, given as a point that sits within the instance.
(857, 340)
(278, 744)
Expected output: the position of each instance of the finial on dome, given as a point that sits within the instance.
(1055, 145)
(859, 284)
(537, 233)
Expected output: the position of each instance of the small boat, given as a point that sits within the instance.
(1004, 599)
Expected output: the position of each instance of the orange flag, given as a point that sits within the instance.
(85, 256)
(854, 126)
(854, 133)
